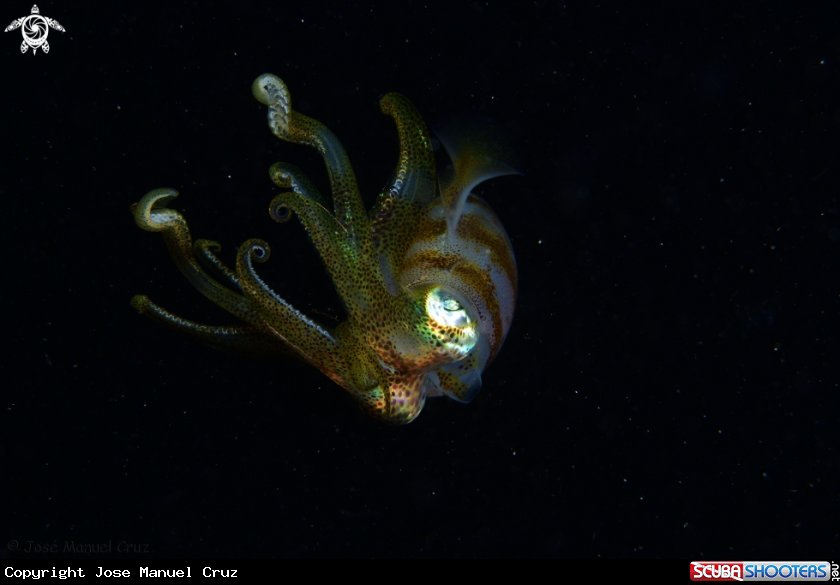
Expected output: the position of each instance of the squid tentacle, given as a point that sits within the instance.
(326, 233)
(243, 339)
(411, 188)
(314, 343)
(205, 251)
(415, 177)
(288, 176)
(151, 214)
(292, 126)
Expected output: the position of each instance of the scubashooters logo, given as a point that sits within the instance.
(761, 571)
(35, 29)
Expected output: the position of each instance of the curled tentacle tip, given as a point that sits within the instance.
(140, 302)
(388, 101)
(259, 250)
(202, 244)
(264, 86)
(279, 173)
(157, 197)
(280, 211)
(154, 199)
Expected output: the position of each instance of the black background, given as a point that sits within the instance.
(669, 387)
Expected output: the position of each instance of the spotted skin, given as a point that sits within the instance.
(428, 277)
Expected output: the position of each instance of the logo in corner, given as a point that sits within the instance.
(35, 29)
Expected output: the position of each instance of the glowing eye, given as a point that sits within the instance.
(451, 305)
(444, 308)
(454, 324)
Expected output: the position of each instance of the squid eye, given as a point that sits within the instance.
(451, 305)
(448, 311)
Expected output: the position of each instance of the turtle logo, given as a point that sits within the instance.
(35, 29)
